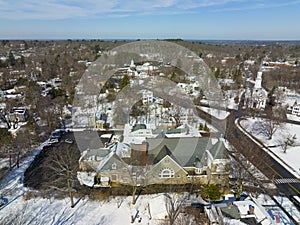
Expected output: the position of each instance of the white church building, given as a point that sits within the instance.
(257, 98)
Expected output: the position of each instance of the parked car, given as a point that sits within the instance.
(3, 201)
(68, 140)
(57, 134)
(53, 141)
(36, 117)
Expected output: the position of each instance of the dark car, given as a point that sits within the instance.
(3, 201)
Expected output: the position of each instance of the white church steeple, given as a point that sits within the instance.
(258, 80)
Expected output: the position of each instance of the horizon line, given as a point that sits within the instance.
(142, 39)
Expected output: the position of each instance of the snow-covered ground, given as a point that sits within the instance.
(293, 117)
(150, 209)
(274, 210)
(218, 113)
(4, 162)
(37, 210)
(291, 156)
(289, 207)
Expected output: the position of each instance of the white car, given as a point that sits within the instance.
(70, 141)
(53, 141)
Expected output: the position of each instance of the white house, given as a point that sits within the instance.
(147, 97)
(294, 109)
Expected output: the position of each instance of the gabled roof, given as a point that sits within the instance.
(109, 160)
(174, 163)
(183, 150)
(218, 150)
(100, 152)
(162, 153)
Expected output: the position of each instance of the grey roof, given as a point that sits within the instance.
(232, 212)
(218, 149)
(139, 126)
(112, 158)
(186, 151)
(162, 153)
(100, 152)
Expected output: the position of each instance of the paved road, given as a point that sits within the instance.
(253, 152)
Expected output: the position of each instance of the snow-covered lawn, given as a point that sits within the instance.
(117, 211)
(37, 210)
(291, 156)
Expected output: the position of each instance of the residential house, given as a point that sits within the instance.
(294, 109)
(248, 211)
(156, 161)
(147, 97)
(18, 114)
(56, 82)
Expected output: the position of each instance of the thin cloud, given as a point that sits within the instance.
(192, 4)
(259, 5)
(70, 9)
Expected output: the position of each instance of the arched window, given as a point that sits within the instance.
(166, 173)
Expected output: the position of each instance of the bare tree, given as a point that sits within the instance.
(174, 203)
(64, 165)
(177, 112)
(267, 127)
(286, 141)
(4, 118)
(240, 167)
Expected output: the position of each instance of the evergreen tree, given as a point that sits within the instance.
(211, 192)
(271, 96)
(200, 126)
(124, 82)
(217, 72)
(11, 59)
(206, 128)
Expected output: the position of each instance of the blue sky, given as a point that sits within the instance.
(187, 19)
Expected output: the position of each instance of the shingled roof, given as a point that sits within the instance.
(183, 150)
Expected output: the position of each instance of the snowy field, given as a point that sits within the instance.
(149, 209)
(117, 211)
(291, 156)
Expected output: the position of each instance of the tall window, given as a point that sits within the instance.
(166, 173)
